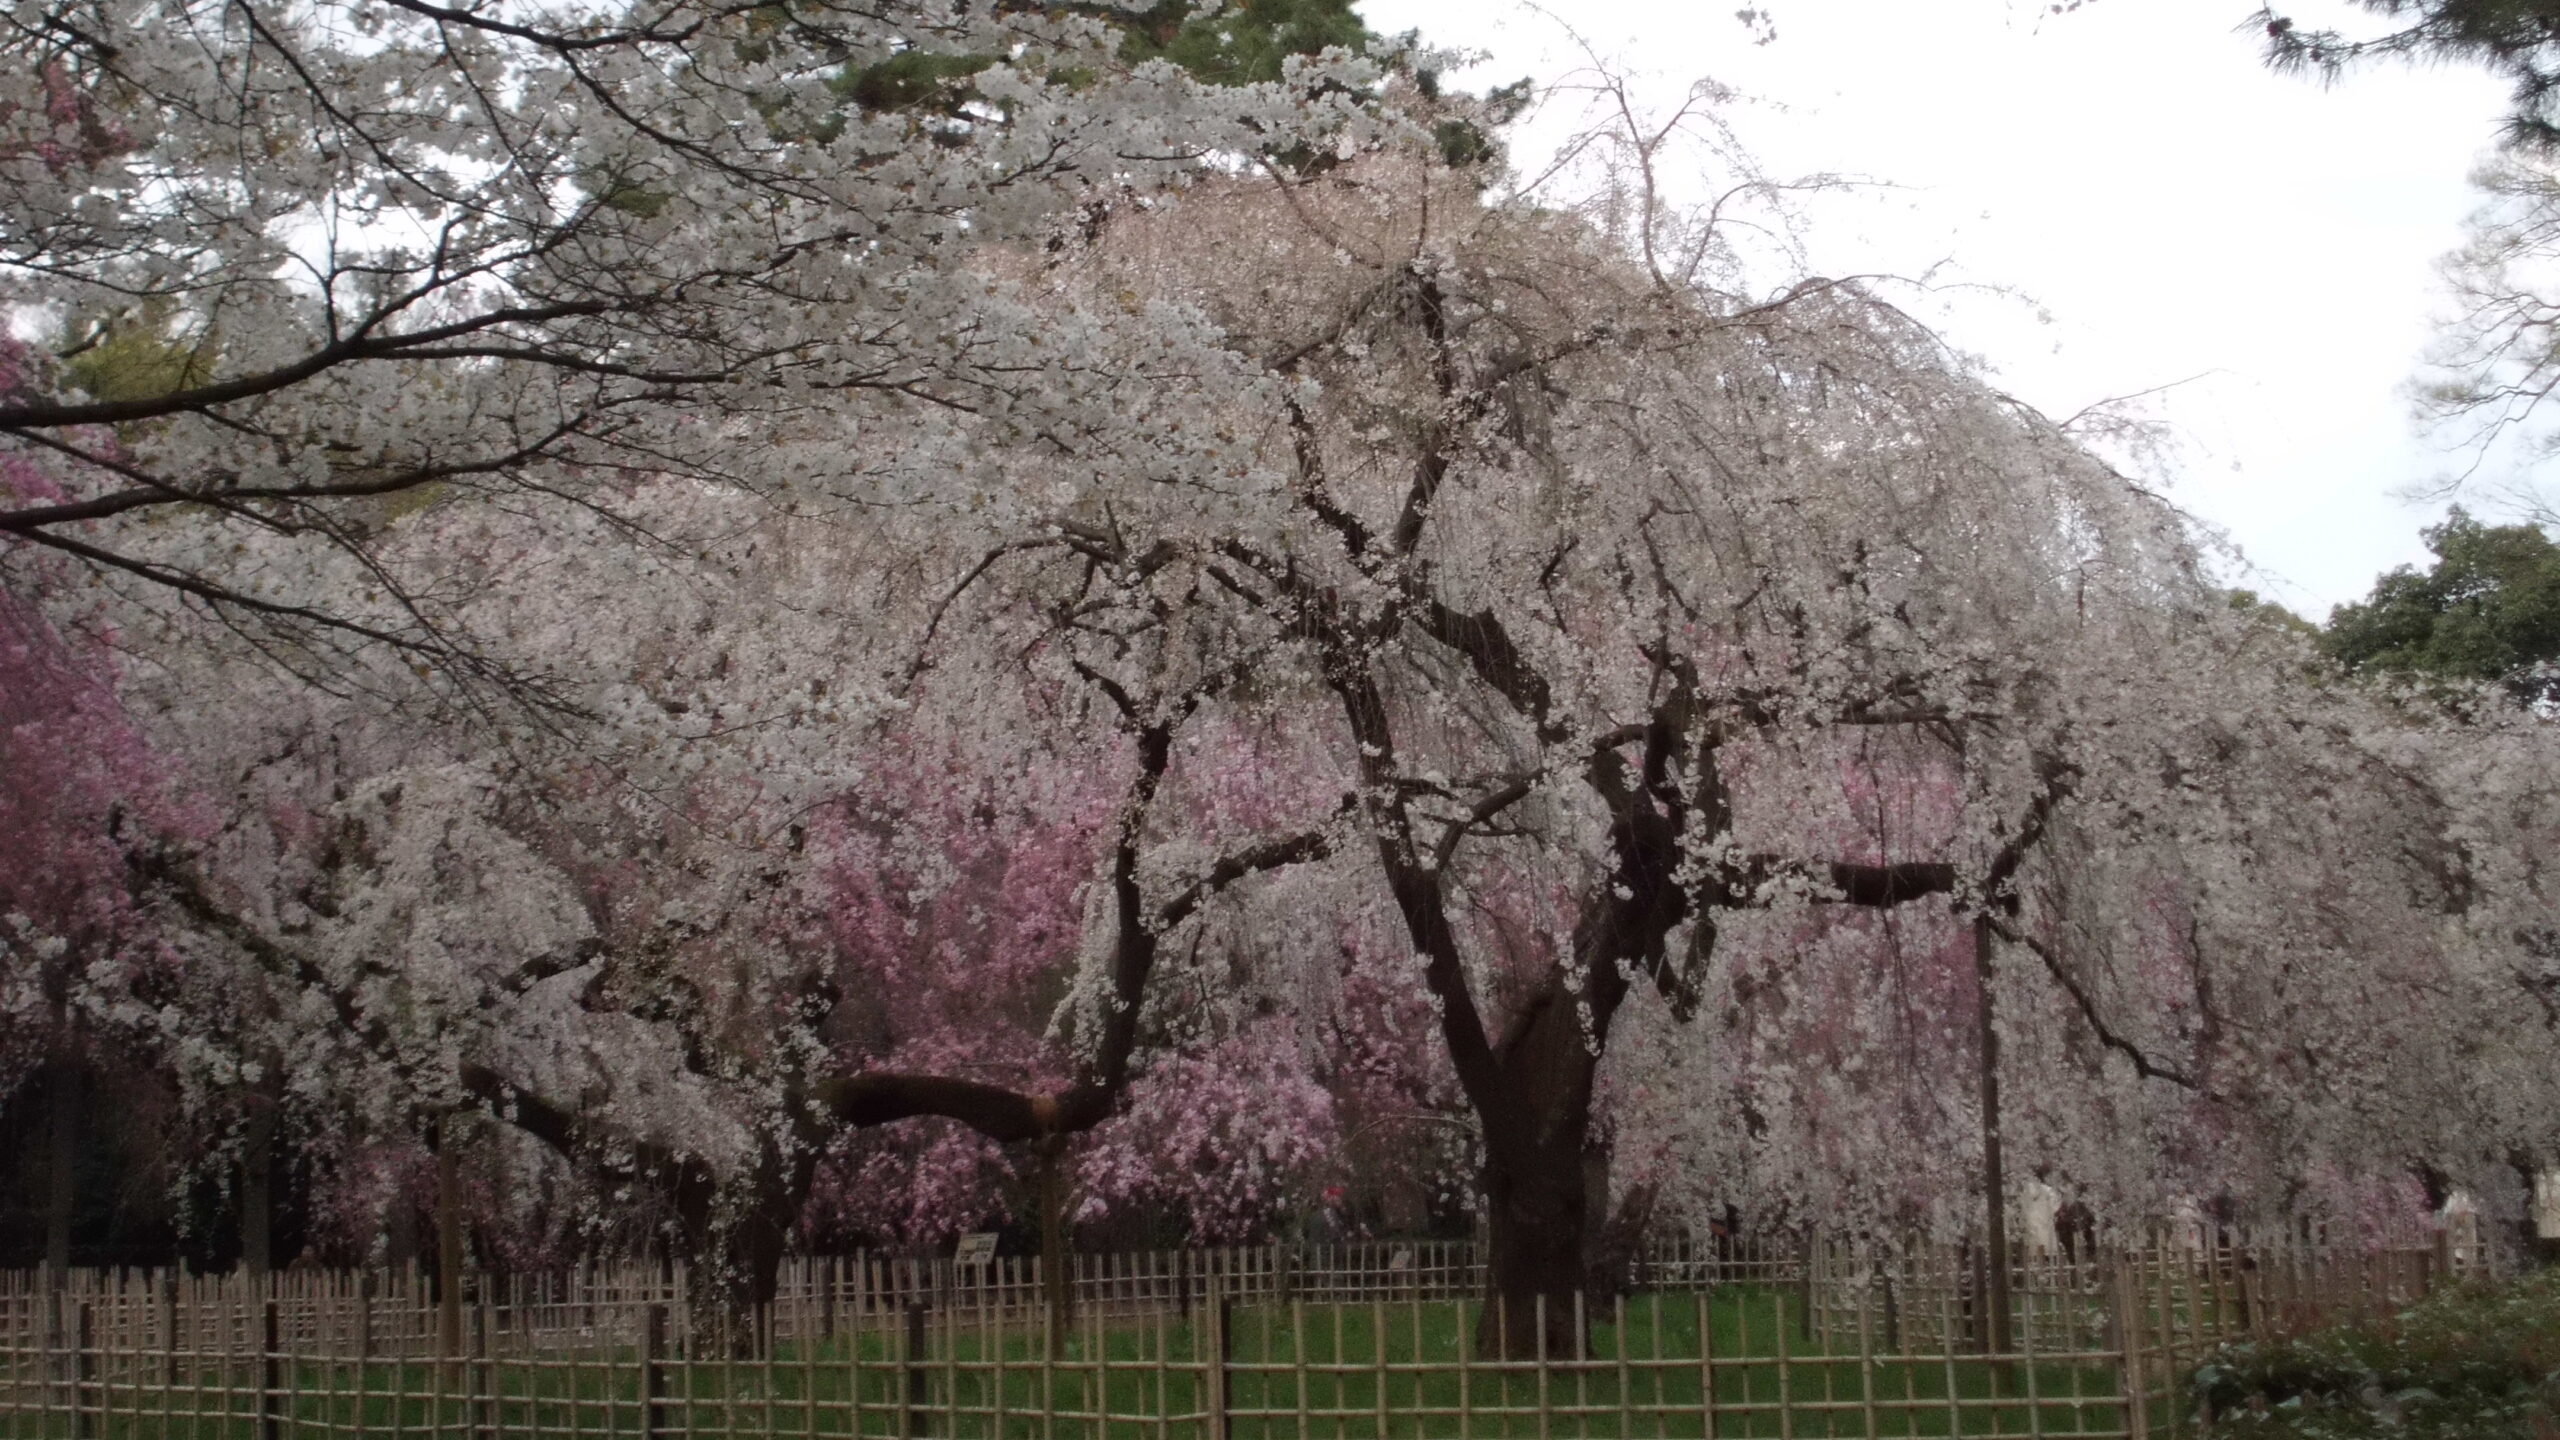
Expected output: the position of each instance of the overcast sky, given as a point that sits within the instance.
(2133, 171)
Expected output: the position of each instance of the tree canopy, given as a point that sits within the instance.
(2488, 609)
(857, 636)
(2517, 40)
(1241, 44)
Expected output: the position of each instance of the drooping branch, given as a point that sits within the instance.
(1418, 888)
(26, 520)
(1481, 813)
(1481, 640)
(360, 345)
(1008, 1115)
(1273, 854)
(2143, 1064)
(1431, 465)
(2054, 778)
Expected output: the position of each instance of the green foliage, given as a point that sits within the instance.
(1240, 44)
(2465, 1364)
(1462, 142)
(138, 356)
(2267, 612)
(2489, 609)
(2517, 40)
(1233, 44)
(637, 200)
(915, 80)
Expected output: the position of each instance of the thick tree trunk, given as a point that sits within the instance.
(1537, 1193)
(737, 1229)
(62, 1166)
(1540, 1222)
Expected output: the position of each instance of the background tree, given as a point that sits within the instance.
(1608, 568)
(2487, 610)
(2517, 40)
(1277, 620)
(82, 966)
(671, 226)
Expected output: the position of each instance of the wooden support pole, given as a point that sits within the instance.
(916, 1393)
(1811, 1245)
(653, 1376)
(1056, 1267)
(169, 1328)
(84, 1376)
(271, 1396)
(257, 1184)
(1220, 1350)
(1995, 1189)
(448, 1238)
(483, 1373)
(62, 1167)
(827, 1273)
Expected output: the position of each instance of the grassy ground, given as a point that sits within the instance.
(1353, 1370)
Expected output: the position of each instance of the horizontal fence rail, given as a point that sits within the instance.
(1733, 1341)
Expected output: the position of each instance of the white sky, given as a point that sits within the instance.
(2136, 173)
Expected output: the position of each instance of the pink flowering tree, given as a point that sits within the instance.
(1337, 614)
(81, 965)
(1599, 571)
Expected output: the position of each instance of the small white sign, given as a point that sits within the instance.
(977, 1248)
(1401, 1258)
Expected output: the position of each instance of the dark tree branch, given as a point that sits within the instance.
(2143, 1064)
(360, 345)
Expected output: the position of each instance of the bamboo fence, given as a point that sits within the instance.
(1374, 1339)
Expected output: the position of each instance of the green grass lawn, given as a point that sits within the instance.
(1329, 1370)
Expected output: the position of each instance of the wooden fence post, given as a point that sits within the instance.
(448, 1240)
(84, 1373)
(2137, 1399)
(271, 1374)
(1810, 1245)
(826, 1276)
(916, 1392)
(1892, 1310)
(1056, 1269)
(1704, 1300)
(653, 1379)
(169, 1329)
(1220, 1350)
(483, 1376)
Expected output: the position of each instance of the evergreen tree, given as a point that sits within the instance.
(2518, 40)
(2489, 609)
(1240, 44)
